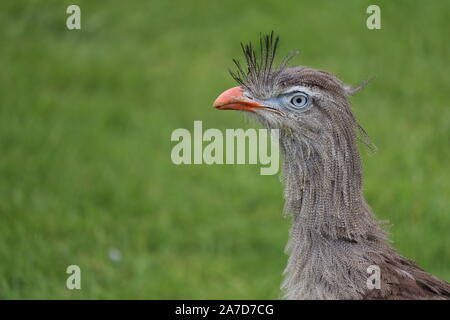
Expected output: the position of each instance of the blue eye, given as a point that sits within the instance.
(300, 100)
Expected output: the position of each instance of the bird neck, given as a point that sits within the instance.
(323, 186)
(330, 220)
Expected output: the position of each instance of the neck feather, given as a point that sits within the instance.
(333, 230)
(323, 186)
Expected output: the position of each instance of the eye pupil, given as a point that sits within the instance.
(299, 100)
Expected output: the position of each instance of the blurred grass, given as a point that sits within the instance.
(85, 124)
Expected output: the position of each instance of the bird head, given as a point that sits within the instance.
(308, 102)
(317, 135)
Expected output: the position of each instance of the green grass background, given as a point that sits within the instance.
(85, 124)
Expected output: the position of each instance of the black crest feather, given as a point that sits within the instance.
(259, 75)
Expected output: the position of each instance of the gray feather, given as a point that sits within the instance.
(334, 236)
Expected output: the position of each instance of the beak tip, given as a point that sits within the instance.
(227, 97)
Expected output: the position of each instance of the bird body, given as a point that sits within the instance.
(335, 238)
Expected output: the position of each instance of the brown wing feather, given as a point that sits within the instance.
(401, 279)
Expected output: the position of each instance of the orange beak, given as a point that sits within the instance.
(233, 99)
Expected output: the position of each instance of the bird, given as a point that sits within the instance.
(335, 241)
